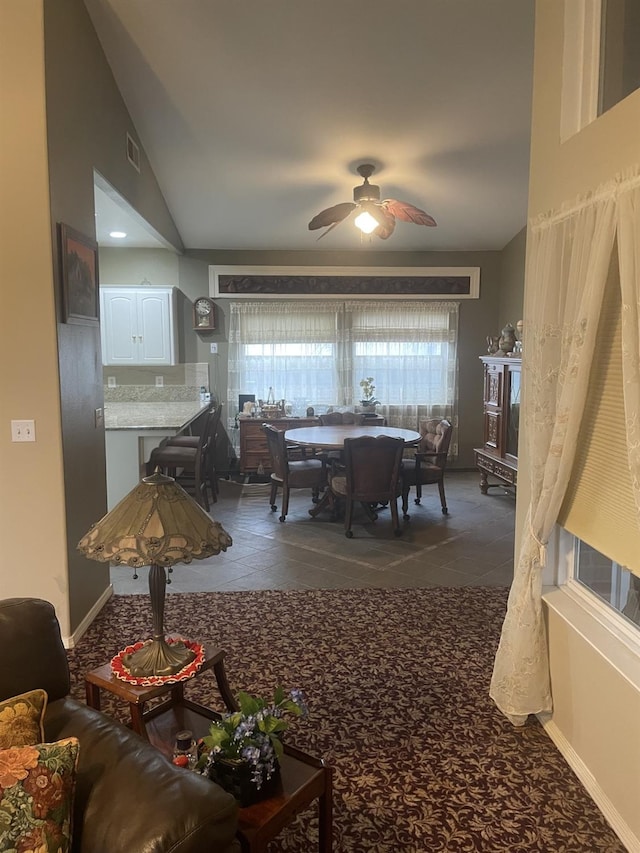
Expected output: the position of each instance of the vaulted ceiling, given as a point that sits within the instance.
(255, 114)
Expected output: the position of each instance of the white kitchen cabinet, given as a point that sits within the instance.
(138, 325)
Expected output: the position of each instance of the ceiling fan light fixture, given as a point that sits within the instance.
(375, 215)
(366, 192)
(366, 222)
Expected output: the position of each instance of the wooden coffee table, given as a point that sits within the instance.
(303, 778)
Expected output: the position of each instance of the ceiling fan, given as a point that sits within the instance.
(377, 217)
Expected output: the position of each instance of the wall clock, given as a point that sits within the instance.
(204, 314)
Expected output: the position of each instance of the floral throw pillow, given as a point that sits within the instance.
(21, 719)
(36, 796)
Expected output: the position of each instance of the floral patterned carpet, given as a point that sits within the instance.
(397, 686)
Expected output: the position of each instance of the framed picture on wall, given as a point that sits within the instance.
(80, 287)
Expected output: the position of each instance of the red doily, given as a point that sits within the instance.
(120, 671)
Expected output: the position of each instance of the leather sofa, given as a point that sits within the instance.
(129, 798)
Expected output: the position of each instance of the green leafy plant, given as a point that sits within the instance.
(252, 734)
(368, 389)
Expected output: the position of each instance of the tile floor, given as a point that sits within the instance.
(472, 546)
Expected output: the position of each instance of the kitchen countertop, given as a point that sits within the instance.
(151, 415)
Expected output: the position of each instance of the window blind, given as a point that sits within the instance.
(599, 506)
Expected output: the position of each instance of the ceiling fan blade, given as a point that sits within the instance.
(330, 228)
(386, 228)
(331, 216)
(408, 213)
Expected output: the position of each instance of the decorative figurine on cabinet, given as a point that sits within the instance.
(507, 339)
(492, 344)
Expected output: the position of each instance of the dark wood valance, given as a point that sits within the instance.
(345, 285)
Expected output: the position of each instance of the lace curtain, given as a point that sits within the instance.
(315, 353)
(290, 347)
(567, 264)
(410, 348)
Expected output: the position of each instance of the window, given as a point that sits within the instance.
(304, 372)
(315, 354)
(601, 61)
(610, 581)
(288, 347)
(411, 353)
(599, 509)
(619, 54)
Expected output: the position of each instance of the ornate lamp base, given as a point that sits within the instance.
(158, 658)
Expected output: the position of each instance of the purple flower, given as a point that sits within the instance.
(253, 733)
(299, 698)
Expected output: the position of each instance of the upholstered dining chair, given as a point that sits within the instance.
(335, 457)
(212, 425)
(287, 474)
(429, 463)
(371, 476)
(188, 462)
(340, 418)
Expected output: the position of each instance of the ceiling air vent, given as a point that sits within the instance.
(133, 153)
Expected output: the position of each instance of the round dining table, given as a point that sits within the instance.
(332, 437)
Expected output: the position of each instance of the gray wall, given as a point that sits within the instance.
(86, 130)
(512, 277)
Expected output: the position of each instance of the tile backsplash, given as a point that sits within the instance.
(181, 383)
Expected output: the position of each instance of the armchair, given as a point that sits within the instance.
(429, 463)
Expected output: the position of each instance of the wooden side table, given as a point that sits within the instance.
(160, 723)
(303, 780)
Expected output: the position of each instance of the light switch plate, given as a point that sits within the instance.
(159, 381)
(111, 381)
(214, 349)
(23, 430)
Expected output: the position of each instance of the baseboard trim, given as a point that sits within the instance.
(71, 641)
(611, 814)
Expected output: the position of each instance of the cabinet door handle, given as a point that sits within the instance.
(133, 338)
(140, 338)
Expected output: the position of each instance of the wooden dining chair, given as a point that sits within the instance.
(287, 474)
(371, 476)
(429, 462)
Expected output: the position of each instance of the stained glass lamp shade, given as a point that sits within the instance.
(158, 525)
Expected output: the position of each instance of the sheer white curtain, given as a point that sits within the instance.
(410, 349)
(567, 264)
(315, 353)
(288, 346)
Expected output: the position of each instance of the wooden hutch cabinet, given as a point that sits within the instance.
(254, 454)
(499, 454)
